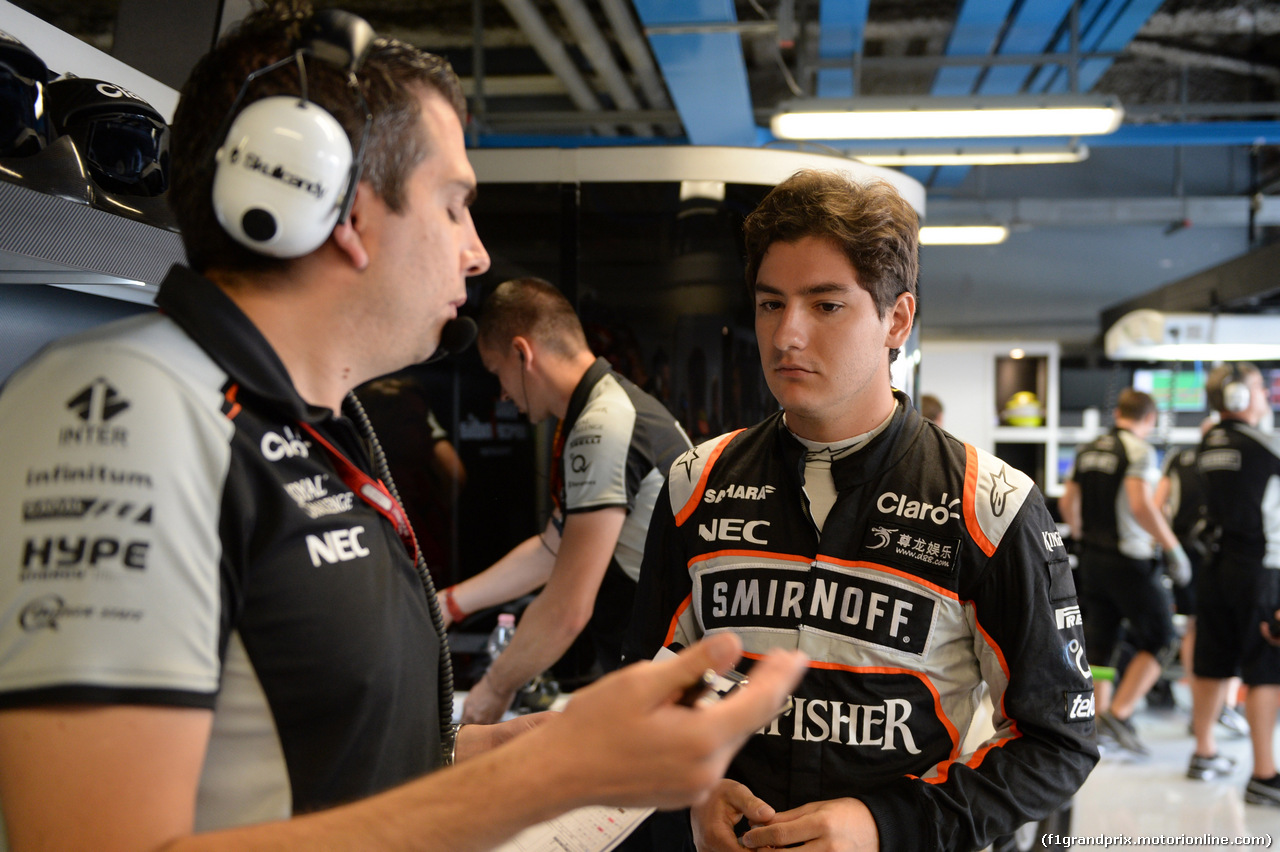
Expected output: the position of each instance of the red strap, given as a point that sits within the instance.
(455, 611)
(371, 490)
(557, 468)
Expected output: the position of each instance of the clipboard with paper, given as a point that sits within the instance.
(600, 828)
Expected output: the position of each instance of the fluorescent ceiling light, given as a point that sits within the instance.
(1147, 335)
(1020, 155)
(945, 118)
(963, 235)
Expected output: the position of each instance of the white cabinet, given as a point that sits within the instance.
(975, 380)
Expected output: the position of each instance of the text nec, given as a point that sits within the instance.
(336, 546)
(733, 529)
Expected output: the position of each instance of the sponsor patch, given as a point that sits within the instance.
(1068, 616)
(72, 557)
(1001, 488)
(95, 405)
(51, 612)
(336, 546)
(862, 609)
(313, 497)
(901, 506)
(1218, 460)
(882, 724)
(737, 492)
(1095, 461)
(734, 529)
(88, 474)
(911, 548)
(1074, 653)
(1079, 706)
(58, 508)
(276, 446)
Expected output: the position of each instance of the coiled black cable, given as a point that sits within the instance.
(445, 668)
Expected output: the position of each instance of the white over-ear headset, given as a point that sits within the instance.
(1236, 393)
(285, 173)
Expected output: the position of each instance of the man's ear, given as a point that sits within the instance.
(350, 236)
(901, 317)
(524, 350)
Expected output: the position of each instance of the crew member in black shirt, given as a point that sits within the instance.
(1240, 587)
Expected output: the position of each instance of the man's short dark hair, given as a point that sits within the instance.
(930, 407)
(1135, 405)
(874, 226)
(533, 308)
(392, 78)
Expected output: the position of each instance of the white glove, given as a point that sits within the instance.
(1177, 565)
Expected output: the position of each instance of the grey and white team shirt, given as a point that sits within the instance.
(613, 449)
(1100, 469)
(176, 535)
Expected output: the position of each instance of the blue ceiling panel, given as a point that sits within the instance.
(976, 30)
(1116, 37)
(1090, 11)
(842, 23)
(705, 72)
(1032, 31)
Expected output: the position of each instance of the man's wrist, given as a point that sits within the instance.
(451, 606)
(449, 747)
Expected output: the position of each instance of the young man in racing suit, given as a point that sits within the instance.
(920, 574)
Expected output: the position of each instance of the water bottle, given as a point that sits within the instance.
(500, 638)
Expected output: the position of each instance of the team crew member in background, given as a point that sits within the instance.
(917, 572)
(214, 619)
(1239, 589)
(613, 442)
(1180, 495)
(1108, 502)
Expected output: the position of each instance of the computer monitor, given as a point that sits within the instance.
(1173, 390)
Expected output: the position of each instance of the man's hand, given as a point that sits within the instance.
(486, 703)
(1271, 629)
(714, 819)
(477, 739)
(625, 741)
(1177, 565)
(836, 825)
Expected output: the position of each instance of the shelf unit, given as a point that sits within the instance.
(974, 380)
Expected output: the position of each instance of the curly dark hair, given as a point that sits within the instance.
(392, 77)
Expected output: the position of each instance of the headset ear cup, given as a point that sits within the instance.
(280, 175)
(1236, 396)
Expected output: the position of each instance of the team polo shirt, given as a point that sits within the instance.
(618, 442)
(173, 536)
(1101, 467)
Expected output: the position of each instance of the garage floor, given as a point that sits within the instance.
(1128, 798)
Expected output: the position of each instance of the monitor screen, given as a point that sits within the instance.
(1173, 390)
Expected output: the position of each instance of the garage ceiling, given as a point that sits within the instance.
(1186, 184)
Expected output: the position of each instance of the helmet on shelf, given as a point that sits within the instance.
(24, 120)
(1023, 409)
(124, 141)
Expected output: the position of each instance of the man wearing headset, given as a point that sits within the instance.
(612, 444)
(215, 636)
(1239, 589)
